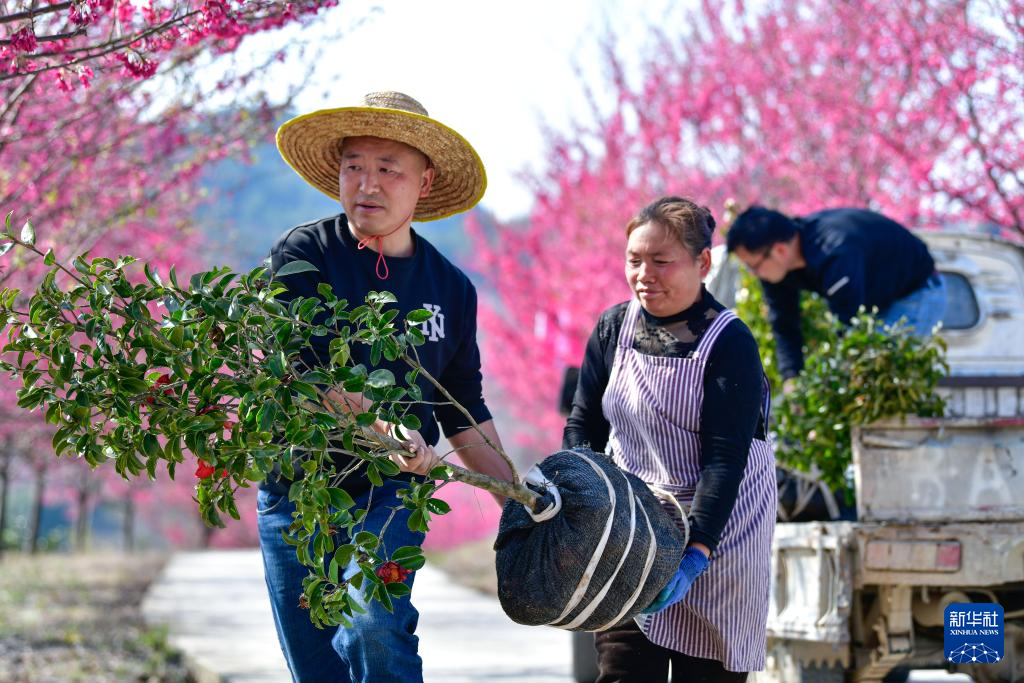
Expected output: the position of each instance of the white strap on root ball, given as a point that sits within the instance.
(598, 553)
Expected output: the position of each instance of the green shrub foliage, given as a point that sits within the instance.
(853, 375)
(152, 376)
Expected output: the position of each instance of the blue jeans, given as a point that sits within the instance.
(921, 310)
(380, 646)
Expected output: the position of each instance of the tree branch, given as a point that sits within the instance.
(34, 12)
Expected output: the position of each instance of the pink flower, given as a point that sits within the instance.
(62, 83)
(81, 14)
(125, 11)
(24, 40)
(85, 76)
(137, 65)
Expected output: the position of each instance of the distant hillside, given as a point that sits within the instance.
(252, 204)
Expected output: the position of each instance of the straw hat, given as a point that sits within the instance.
(311, 144)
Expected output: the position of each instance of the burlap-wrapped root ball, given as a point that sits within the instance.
(602, 553)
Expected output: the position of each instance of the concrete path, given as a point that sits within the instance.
(217, 612)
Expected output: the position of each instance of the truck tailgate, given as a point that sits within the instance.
(940, 470)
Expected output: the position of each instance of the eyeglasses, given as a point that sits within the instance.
(764, 256)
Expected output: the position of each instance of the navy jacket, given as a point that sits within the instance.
(854, 257)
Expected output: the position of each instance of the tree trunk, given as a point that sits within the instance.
(82, 520)
(207, 536)
(128, 525)
(5, 472)
(35, 520)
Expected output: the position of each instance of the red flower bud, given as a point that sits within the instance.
(391, 572)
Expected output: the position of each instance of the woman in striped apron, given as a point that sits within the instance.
(672, 387)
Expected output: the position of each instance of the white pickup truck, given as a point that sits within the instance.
(940, 504)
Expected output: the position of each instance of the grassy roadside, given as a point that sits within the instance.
(76, 619)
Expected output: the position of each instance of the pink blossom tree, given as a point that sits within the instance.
(913, 109)
(100, 159)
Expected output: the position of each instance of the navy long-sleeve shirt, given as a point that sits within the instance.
(854, 258)
(424, 280)
(731, 413)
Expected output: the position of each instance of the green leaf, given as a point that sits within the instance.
(380, 379)
(398, 589)
(367, 540)
(388, 468)
(293, 267)
(385, 597)
(28, 233)
(438, 506)
(6, 247)
(381, 298)
(49, 259)
(333, 570)
(266, 416)
(132, 385)
(316, 377)
(416, 522)
(419, 315)
(277, 364)
(324, 290)
(340, 498)
(406, 552)
(150, 446)
(307, 390)
(413, 563)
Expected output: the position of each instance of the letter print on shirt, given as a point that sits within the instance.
(433, 329)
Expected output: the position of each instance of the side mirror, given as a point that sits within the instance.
(568, 390)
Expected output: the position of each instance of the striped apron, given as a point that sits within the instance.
(653, 405)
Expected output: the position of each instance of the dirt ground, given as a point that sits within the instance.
(76, 619)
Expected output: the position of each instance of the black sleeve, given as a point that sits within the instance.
(729, 417)
(462, 378)
(783, 301)
(586, 424)
(842, 278)
(299, 245)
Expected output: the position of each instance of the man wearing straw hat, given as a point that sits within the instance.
(388, 163)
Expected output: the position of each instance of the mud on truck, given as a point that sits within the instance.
(859, 595)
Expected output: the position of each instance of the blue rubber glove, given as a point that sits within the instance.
(692, 565)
